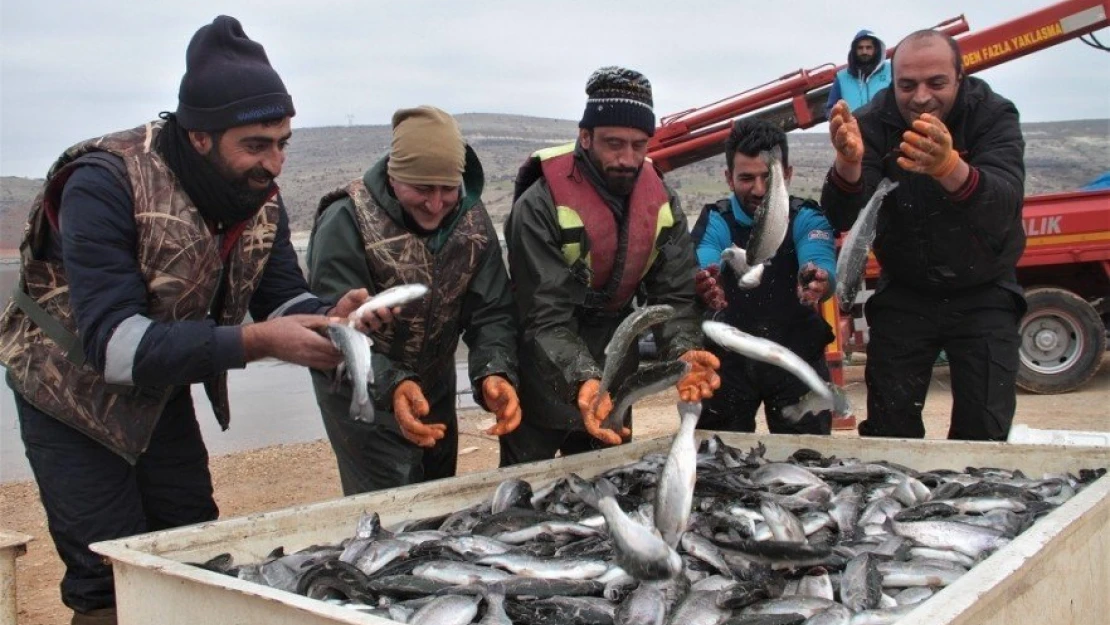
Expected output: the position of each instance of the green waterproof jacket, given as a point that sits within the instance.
(562, 341)
(338, 261)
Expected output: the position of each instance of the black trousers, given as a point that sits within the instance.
(375, 456)
(532, 443)
(91, 494)
(747, 383)
(979, 333)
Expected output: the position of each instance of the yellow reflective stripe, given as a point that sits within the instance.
(569, 218)
(665, 219)
(552, 152)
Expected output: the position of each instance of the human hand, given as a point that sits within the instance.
(701, 379)
(501, 399)
(927, 148)
(813, 284)
(845, 134)
(368, 321)
(594, 408)
(708, 289)
(409, 406)
(299, 339)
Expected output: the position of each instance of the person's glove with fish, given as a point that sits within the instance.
(702, 379)
(595, 406)
(813, 284)
(708, 287)
(409, 407)
(501, 399)
(927, 148)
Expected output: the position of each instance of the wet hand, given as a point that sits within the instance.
(702, 379)
(708, 289)
(409, 407)
(502, 400)
(594, 408)
(927, 148)
(368, 321)
(298, 339)
(845, 134)
(813, 284)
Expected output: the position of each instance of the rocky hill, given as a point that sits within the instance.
(1059, 156)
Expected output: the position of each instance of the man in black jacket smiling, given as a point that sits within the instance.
(948, 238)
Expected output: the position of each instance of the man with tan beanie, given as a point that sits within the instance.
(417, 216)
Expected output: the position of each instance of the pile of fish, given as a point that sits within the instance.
(701, 535)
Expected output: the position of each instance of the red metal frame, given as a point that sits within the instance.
(699, 133)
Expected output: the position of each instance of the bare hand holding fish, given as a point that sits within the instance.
(409, 407)
(293, 338)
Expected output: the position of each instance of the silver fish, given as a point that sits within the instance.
(511, 493)
(767, 351)
(813, 402)
(453, 572)
(784, 525)
(447, 610)
(919, 573)
(645, 605)
(853, 252)
(355, 347)
(747, 277)
(629, 330)
(495, 610)
(546, 568)
(646, 381)
(390, 298)
(640, 551)
(861, 583)
(674, 493)
(969, 540)
(772, 217)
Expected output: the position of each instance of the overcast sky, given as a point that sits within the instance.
(74, 69)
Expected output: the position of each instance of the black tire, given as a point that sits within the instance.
(1062, 342)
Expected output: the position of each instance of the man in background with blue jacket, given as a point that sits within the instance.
(781, 308)
(868, 73)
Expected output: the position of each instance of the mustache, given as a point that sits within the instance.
(621, 170)
(260, 173)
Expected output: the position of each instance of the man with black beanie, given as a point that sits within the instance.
(143, 254)
(593, 227)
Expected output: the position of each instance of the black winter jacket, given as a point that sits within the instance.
(926, 238)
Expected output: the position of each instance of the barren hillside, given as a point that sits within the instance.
(1059, 156)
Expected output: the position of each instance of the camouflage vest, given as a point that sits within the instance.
(591, 232)
(424, 337)
(179, 259)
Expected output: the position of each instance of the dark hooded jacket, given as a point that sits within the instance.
(857, 84)
(926, 238)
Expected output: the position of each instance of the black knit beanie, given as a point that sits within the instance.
(228, 81)
(618, 97)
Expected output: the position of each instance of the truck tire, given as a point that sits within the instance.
(1062, 342)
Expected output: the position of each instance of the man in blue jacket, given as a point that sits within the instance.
(781, 308)
(867, 73)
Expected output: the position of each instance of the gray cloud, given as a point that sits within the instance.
(71, 69)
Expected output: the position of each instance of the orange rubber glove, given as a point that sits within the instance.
(702, 379)
(844, 133)
(409, 406)
(594, 408)
(708, 287)
(927, 148)
(501, 399)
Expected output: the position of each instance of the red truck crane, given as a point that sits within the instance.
(1066, 265)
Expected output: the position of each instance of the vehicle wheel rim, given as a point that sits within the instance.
(1051, 341)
